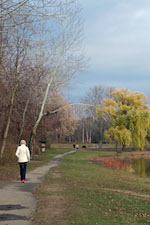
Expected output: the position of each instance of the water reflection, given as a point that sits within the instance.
(142, 167)
(138, 166)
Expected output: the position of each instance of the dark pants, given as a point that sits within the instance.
(23, 167)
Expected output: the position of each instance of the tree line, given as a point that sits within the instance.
(120, 116)
(40, 53)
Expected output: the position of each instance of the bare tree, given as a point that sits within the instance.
(64, 59)
(37, 39)
(94, 97)
(13, 67)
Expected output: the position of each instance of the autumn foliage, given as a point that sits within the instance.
(111, 162)
(39, 56)
(59, 125)
(130, 117)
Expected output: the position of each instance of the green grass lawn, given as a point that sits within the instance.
(92, 194)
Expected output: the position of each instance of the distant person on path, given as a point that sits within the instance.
(74, 147)
(23, 155)
(77, 147)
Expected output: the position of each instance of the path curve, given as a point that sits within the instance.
(17, 203)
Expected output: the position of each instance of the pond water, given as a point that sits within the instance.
(141, 167)
(138, 166)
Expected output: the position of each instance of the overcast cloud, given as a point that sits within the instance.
(117, 41)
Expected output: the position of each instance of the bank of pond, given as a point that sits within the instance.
(137, 165)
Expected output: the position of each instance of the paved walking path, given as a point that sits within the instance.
(17, 203)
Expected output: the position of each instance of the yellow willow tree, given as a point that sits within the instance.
(130, 117)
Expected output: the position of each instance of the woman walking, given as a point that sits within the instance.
(23, 155)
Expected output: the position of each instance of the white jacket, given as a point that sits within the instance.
(23, 154)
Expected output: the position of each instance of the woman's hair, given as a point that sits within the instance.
(23, 142)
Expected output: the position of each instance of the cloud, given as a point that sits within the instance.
(117, 36)
(120, 35)
(141, 13)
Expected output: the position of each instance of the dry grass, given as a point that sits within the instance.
(9, 155)
(70, 146)
(134, 155)
(52, 206)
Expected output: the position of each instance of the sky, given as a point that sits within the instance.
(117, 44)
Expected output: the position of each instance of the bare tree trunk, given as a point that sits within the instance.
(87, 136)
(90, 138)
(33, 132)
(23, 120)
(101, 134)
(1, 42)
(70, 139)
(83, 134)
(8, 122)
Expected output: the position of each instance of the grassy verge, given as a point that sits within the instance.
(11, 170)
(79, 192)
